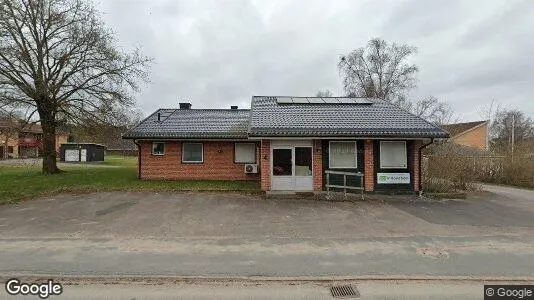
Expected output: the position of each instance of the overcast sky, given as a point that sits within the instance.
(219, 53)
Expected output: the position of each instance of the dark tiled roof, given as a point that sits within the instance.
(455, 129)
(378, 119)
(193, 123)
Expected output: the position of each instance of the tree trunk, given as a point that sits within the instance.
(48, 125)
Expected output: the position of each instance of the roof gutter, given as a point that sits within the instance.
(138, 159)
(420, 164)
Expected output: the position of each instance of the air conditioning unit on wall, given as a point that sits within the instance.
(251, 168)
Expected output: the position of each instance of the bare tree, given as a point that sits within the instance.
(109, 129)
(323, 93)
(379, 70)
(58, 58)
(432, 110)
(508, 121)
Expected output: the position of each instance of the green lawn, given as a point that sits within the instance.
(117, 173)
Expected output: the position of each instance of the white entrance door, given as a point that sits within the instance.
(291, 166)
(83, 155)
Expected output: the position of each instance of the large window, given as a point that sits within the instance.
(342, 155)
(158, 148)
(245, 153)
(192, 153)
(393, 155)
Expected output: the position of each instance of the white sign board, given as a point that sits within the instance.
(392, 178)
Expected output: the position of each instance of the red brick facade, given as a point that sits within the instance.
(317, 169)
(416, 171)
(218, 163)
(369, 165)
(265, 165)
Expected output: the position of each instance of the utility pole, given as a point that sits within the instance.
(513, 136)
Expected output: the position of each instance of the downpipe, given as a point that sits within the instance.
(138, 159)
(420, 165)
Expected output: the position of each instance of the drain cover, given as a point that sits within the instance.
(344, 291)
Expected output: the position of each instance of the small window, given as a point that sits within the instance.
(245, 153)
(158, 148)
(342, 155)
(393, 155)
(10, 149)
(192, 153)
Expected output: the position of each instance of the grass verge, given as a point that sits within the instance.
(115, 174)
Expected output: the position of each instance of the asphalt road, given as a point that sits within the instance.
(510, 192)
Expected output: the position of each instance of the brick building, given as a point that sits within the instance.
(470, 134)
(287, 143)
(21, 140)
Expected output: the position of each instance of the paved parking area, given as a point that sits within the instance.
(166, 215)
(217, 234)
(489, 210)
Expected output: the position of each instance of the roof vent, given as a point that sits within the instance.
(233, 107)
(159, 117)
(185, 105)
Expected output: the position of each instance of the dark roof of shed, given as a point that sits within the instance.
(455, 129)
(377, 119)
(193, 123)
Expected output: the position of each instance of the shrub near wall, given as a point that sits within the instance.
(452, 168)
(517, 171)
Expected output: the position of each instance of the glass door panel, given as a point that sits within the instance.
(303, 161)
(282, 162)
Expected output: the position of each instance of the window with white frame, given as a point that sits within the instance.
(342, 154)
(245, 153)
(158, 148)
(393, 155)
(192, 153)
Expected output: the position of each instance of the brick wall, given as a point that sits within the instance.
(12, 142)
(61, 139)
(317, 165)
(416, 171)
(369, 168)
(265, 165)
(218, 163)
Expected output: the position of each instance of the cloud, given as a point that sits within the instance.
(217, 54)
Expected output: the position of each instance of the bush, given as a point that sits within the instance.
(449, 168)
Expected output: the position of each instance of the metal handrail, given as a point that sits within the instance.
(344, 186)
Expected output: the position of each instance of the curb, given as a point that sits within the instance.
(152, 279)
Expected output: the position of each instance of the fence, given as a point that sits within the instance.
(343, 185)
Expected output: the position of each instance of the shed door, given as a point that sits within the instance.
(72, 155)
(83, 156)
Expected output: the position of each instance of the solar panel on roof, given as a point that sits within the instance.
(300, 100)
(284, 100)
(331, 100)
(320, 100)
